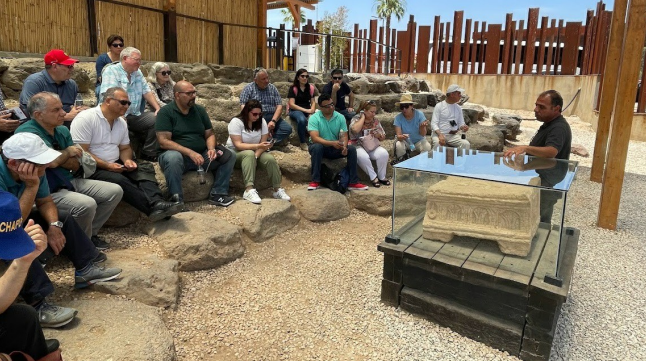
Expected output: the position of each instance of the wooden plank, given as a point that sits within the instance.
(558, 49)
(445, 57)
(541, 46)
(395, 67)
(596, 60)
(481, 53)
(530, 41)
(570, 49)
(492, 50)
(423, 250)
(485, 258)
(456, 252)
(355, 50)
(517, 268)
(519, 47)
(402, 44)
(372, 47)
(605, 26)
(641, 95)
(507, 47)
(380, 52)
(467, 47)
(457, 41)
(437, 30)
(412, 34)
(550, 48)
(474, 49)
(423, 48)
(587, 44)
(364, 51)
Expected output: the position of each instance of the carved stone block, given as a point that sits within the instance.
(507, 214)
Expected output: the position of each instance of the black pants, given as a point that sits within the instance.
(141, 194)
(21, 331)
(78, 248)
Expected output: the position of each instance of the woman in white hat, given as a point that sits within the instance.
(410, 127)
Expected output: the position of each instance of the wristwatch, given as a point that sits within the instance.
(58, 224)
(273, 120)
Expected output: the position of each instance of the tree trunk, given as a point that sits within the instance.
(388, 50)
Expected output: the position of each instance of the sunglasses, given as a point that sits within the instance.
(404, 106)
(123, 102)
(164, 73)
(337, 77)
(304, 76)
(256, 114)
(116, 45)
(331, 105)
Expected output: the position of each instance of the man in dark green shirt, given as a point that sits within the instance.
(186, 137)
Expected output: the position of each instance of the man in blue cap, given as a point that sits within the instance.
(19, 325)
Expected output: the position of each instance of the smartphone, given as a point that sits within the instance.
(272, 141)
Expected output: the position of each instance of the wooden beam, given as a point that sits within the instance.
(294, 2)
(530, 41)
(91, 22)
(457, 41)
(508, 46)
(492, 50)
(467, 46)
(262, 58)
(608, 89)
(613, 177)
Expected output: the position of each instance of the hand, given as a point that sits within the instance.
(271, 126)
(464, 128)
(264, 146)
(423, 124)
(55, 239)
(310, 111)
(344, 152)
(72, 114)
(336, 86)
(518, 150)
(402, 137)
(74, 151)
(350, 109)
(196, 158)
(28, 173)
(211, 153)
(518, 163)
(337, 145)
(157, 111)
(8, 125)
(442, 139)
(40, 240)
(130, 164)
(116, 167)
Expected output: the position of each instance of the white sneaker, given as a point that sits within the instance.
(280, 194)
(252, 196)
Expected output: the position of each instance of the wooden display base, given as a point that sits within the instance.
(472, 288)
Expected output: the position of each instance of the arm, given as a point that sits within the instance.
(68, 159)
(460, 120)
(150, 98)
(278, 112)
(543, 152)
(47, 209)
(356, 126)
(351, 101)
(316, 138)
(423, 126)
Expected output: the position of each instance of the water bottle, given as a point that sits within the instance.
(342, 135)
(201, 175)
(79, 101)
(411, 146)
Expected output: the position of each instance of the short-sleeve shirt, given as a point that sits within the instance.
(343, 91)
(186, 130)
(91, 127)
(557, 134)
(61, 139)
(7, 183)
(41, 82)
(443, 114)
(303, 98)
(116, 76)
(328, 129)
(411, 127)
(101, 62)
(236, 127)
(268, 97)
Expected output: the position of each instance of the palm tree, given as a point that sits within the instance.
(385, 10)
(289, 18)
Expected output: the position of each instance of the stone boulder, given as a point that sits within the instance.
(232, 75)
(220, 109)
(393, 86)
(316, 79)
(486, 138)
(4, 65)
(196, 73)
(236, 90)
(295, 166)
(377, 201)
(435, 96)
(283, 88)
(360, 86)
(321, 205)
(145, 278)
(198, 241)
(510, 122)
(424, 86)
(221, 130)
(359, 98)
(387, 121)
(18, 70)
(123, 215)
(213, 91)
(277, 75)
(115, 330)
(476, 111)
(84, 75)
(262, 222)
(191, 187)
(579, 150)
(388, 103)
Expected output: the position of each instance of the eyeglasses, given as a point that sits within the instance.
(116, 45)
(67, 66)
(164, 73)
(256, 114)
(137, 60)
(404, 106)
(304, 76)
(331, 105)
(190, 94)
(123, 102)
(337, 77)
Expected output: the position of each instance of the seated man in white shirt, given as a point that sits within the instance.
(448, 120)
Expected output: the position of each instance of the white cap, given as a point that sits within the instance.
(454, 88)
(29, 147)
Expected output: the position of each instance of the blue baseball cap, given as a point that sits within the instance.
(14, 241)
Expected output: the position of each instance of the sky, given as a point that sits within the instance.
(491, 11)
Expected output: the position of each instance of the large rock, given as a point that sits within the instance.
(435, 96)
(277, 75)
(145, 278)
(213, 91)
(321, 205)
(283, 88)
(262, 222)
(221, 130)
(4, 65)
(198, 241)
(84, 75)
(378, 201)
(476, 111)
(227, 74)
(388, 103)
(220, 109)
(123, 215)
(18, 70)
(510, 122)
(360, 86)
(579, 150)
(387, 121)
(115, 330)
(486, 138)
(192, 190)
(295, 166)
(195, 73)
(360, 98)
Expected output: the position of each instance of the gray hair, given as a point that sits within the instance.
(128, 51)
(152, 73)
(110, 92)
(38, 102)
(258, 71)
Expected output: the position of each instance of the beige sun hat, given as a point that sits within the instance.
(405, 99)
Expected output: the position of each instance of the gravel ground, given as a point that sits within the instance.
(314, 293)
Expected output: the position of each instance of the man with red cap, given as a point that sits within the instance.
(54, 78)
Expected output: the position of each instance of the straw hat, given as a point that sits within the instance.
(405, 99)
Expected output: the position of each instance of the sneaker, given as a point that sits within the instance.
(99, 243)
(52, 345)
(313, 186)
(164, 209)
(221, 200)
(305, 147)
(100, 258)
(95, 274)
(280, 194)
(54, 316)
(357, 187)
(252, 196)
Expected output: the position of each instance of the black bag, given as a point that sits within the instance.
(402, 158)
(337, 182)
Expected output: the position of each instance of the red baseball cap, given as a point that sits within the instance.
(58, 56)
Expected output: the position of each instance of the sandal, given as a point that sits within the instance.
(375, 183)
(385, 182)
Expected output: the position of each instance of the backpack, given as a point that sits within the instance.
(403, 157)
(337, 182)
(296, 93)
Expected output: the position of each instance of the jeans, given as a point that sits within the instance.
(144, 128)
(142, 194)
(20, 331)
(319, 151)
(174, 165)
(282, 129)
(301, 121)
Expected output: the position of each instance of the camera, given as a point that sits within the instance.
(453, 123)
(16, 114)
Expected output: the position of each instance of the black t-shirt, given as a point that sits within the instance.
(343, 91)
(304, 98)
(557, 134)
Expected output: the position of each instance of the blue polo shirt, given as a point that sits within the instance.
(7, 183)
(42, 82)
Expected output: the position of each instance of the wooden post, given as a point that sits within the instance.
(371, 47)
(608, 89)
(170, 32)
(530, 41)
(436, 45)
(457, 41)
(467, 47)
(355, 52)
(613, 177)
(508, 46)
(261, 46)
(91, 22)
(221, 43)
(328, 48)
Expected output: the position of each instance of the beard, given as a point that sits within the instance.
(191, 103)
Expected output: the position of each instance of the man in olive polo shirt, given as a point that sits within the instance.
(186, 137)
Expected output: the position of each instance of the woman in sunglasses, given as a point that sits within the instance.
(161, 84)
(411, 128)
(115, 45)
(367, 133)
(248, 134)
(301, 104)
